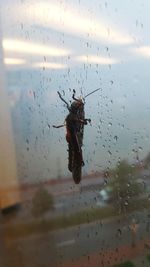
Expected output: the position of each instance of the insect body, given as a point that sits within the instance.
(75, 122)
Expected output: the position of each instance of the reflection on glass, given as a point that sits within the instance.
(74, 48)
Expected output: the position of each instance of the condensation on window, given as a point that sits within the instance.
(74, 135)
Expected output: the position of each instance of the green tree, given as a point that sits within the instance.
(42, 202)
(146, 161)
(125, 186)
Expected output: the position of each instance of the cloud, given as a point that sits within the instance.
(97, 59)
(14, 61)
(142, 51)
(49, 65)
(25, 47)
(70, 20)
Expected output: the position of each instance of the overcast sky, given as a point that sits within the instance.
(61, 45)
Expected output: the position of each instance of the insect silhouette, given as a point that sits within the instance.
(74, 123)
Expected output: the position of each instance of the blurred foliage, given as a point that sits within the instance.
(42, 202)
(146, 161)
(125, 186)
(148, 257)
(125, 264)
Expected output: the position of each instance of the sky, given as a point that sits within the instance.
(82, 45)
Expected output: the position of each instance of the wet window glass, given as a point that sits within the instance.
(74, 133)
